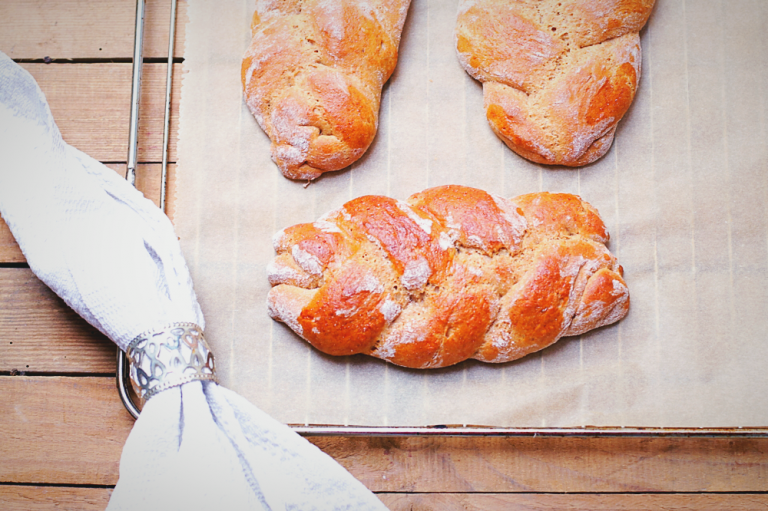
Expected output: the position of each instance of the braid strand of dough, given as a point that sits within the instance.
(558, 75)
(449, 274)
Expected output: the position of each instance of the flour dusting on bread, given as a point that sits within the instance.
(313, 75)
(449, 274)
(558, 75)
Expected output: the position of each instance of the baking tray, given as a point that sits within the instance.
(693, 18)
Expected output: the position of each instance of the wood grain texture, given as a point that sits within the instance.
(40, 333)
(148, 179)
(44, 498)
(47, 420)
(9, 249)
(63, 430)
(590, 502)
(77, 29)
(419, 464)
(91, 106)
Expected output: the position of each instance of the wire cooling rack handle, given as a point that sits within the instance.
(121, 377)
(168, 86)
(123, 384)
(138, 49)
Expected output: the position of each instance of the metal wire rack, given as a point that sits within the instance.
(123, 382)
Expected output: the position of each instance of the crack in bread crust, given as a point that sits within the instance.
(490, 278)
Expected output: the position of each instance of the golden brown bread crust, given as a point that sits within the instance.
(558, 75)
(452, 273)
(312, 76)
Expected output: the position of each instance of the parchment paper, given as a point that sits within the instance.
(683, 191)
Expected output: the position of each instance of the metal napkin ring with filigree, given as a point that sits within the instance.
(169, 357)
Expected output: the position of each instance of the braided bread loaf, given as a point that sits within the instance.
(450, 274)
(557, 75)
(313, 75)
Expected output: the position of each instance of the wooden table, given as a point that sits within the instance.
(62, 425)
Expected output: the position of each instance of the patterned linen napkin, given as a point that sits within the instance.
(113, 257)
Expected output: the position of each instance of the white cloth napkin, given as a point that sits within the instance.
(113, 257)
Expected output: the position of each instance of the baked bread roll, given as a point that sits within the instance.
(557, 75)
(450, 274)
(312, 76)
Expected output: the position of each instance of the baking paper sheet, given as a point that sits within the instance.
(683, 191)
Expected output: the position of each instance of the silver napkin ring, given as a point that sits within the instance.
(169, 357)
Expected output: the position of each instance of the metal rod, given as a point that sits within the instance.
(168, 83)
(122, 384)
(121, 378)
(471, 431)
(133, 132)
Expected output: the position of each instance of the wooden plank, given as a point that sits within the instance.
(148, 180)
(9, 249)
(590, 502)
(91, 106)
(46, 420)
(81, 29)
(419, 464)
(40, 333)
(148, 177)
(63, 430)
(44, 498)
